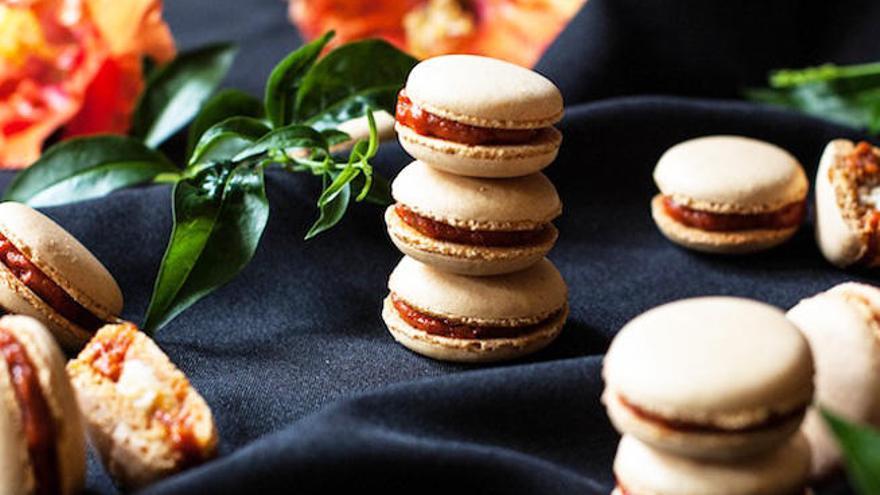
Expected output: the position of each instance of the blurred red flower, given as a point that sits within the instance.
(74, 65)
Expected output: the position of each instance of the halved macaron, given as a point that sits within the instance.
(711, 377)
(843, 328)
(479, 116)
(475, 319)
(642, 470)
(42, 444)
(729, 194)
(47, 274)
(470, 225)
(848, 204)
(142, 414)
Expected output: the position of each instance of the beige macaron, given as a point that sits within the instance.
(56, 463)
(143, 416)
(729, 194)
(474, 94)
(469, 225)
(842, 327)
(710, 377)
(468, 319)
(847, 192)
(39, 249)
(643, 470)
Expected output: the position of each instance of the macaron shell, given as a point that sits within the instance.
(462, 258)
(645, 470)
(469, 350)
(484, 92)
(736, 242)
(492, 161)
(62, 258)
(477, 203)
(16, 473)
(532, 294)
(731, 174)
(17, 298)
(838, 239)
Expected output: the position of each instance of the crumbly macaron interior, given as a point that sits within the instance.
(855, 179)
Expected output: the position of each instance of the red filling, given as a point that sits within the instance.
(428, 124)
(39, 426)
(788, 216)
(862, 166)
(489, 238)
(448, 328)
(45, 288)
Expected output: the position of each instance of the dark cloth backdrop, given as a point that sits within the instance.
(312, 395)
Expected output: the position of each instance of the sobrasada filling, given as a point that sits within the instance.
(684, 426)
(427, 124)
(36, 418)
(857, 184)
(46, 289)
(446, 327)
(788, 216)
(488, 238)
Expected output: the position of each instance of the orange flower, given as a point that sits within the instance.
(72, 64)
(514, 30)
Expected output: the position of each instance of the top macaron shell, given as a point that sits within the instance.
(63, 259)
(731, 174)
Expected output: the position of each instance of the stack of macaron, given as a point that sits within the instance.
(709, 395)
(473, 214)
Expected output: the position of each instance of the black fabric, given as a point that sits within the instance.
(310, 393)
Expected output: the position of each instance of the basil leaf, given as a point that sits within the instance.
(225, 104)
(285, 138)
(861, 449)
(176, 92)
(285, 79)
(349, 80)
(219, 217)
(86, 168)
(225, 139)
(333, 211)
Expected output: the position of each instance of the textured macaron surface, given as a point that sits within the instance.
(514, 203)
(644, 470)
(530, 294)
(484, 92)
(728, 174)
(712, 360)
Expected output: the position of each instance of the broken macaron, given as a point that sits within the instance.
(479, 117)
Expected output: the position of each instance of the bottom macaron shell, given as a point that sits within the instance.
(462, 258)
(17, 298)
(739, 242)
(470, 350)
(491, 161)
(698, 444)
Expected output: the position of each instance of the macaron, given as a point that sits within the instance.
(142, 414)
(842, 327)
(42, 443)
(47, 274)
(452, 317)
(469, 225)
(479, 117)
(709, 377)
(729, 194)
(847, 195)
(643, 470)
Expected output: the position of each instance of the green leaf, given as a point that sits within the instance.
(861, 449)
(349, 80)
(175, 92)
(332, 212)
(334, 136)
(225, 104)
(379, 192)
(219, 217)
(286, 138)
(285, 79)
(86, 168)
(226, 139)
